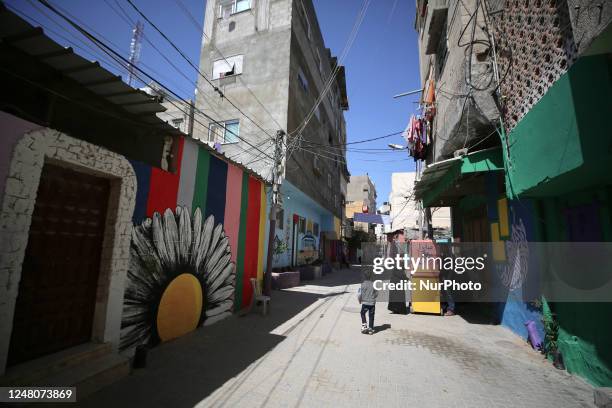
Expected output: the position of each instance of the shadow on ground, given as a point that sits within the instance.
(381, 328)
(182, 372)
(479, 313)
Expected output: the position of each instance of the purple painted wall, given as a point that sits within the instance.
(11, 130)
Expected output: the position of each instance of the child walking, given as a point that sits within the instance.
(367, 297)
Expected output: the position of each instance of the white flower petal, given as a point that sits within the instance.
(216, 254)
(226, 292)
(219, 278)
(217, 318)
(159, 241)
(171, 236)
(184, 227)
(207, 231)
(196, 239)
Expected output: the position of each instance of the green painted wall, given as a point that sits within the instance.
(570, 128)
(561, 154)
(585, 334)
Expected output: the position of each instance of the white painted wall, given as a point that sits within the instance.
(405, 211)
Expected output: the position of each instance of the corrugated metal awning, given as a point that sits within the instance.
(438, 177)
(21, 35)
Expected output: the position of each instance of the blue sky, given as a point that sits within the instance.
(382, 62)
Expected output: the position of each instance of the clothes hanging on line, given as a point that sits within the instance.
(417, 137)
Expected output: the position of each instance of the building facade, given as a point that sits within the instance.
(516, 104)
(269, 61)
(360, 198)
(406, 213)
(101, 233)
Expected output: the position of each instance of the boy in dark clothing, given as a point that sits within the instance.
(367, 297)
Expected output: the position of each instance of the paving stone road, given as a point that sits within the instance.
(309, 353)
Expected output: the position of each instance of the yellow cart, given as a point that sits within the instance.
(425, 295)
(424, 299)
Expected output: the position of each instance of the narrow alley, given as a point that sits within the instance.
(308, 352)
(306, 203)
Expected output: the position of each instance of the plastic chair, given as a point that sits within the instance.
(258, 297)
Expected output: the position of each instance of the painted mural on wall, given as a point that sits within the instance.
(180, 274)
(514, 271)
(199, 238)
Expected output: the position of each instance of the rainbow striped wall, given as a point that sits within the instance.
(233, 196)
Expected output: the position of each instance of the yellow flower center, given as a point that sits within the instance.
(180, 307)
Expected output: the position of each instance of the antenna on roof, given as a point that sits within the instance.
(135, 46)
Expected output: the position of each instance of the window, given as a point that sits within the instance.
(302, 80)
(329, 183)
(177, 123)
(315, 229)
(224, 132)
(442, 51)
(280, 219)
(227, 67)
(229, 7)
(242, 5)
(302, 226)
(335, 200)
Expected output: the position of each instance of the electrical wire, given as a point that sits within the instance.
(200, 73)
(124, 63)
(118, 57)
(201, 30)
(123, 14)
(332, 78)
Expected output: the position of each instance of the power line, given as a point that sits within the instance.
(123, 14)
(327, 86)
(92, 51)
(200, 29)
(182, 54)
(359, 141)
(116, 56)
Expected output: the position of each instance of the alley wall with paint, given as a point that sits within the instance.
(211, 217)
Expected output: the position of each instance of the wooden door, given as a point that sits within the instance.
(57, 291)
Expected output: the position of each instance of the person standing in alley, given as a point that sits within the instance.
(397, 297)
(367, 297)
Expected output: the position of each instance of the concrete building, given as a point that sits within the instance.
(361, 189)
(179, 113)
(516, 103)
(269, 60)
(406, 213)
(87, 172)
(361, 198)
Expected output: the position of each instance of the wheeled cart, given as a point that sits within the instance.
(424, 298)
(425, 292)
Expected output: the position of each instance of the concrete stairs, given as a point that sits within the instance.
(89, 367)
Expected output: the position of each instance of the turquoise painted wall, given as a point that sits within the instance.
(296, 202)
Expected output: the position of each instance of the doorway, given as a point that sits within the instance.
(57, 292)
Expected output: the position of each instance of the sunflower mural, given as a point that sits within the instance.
(179, 276)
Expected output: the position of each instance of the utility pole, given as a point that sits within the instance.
(277, 179)
(428, 221)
